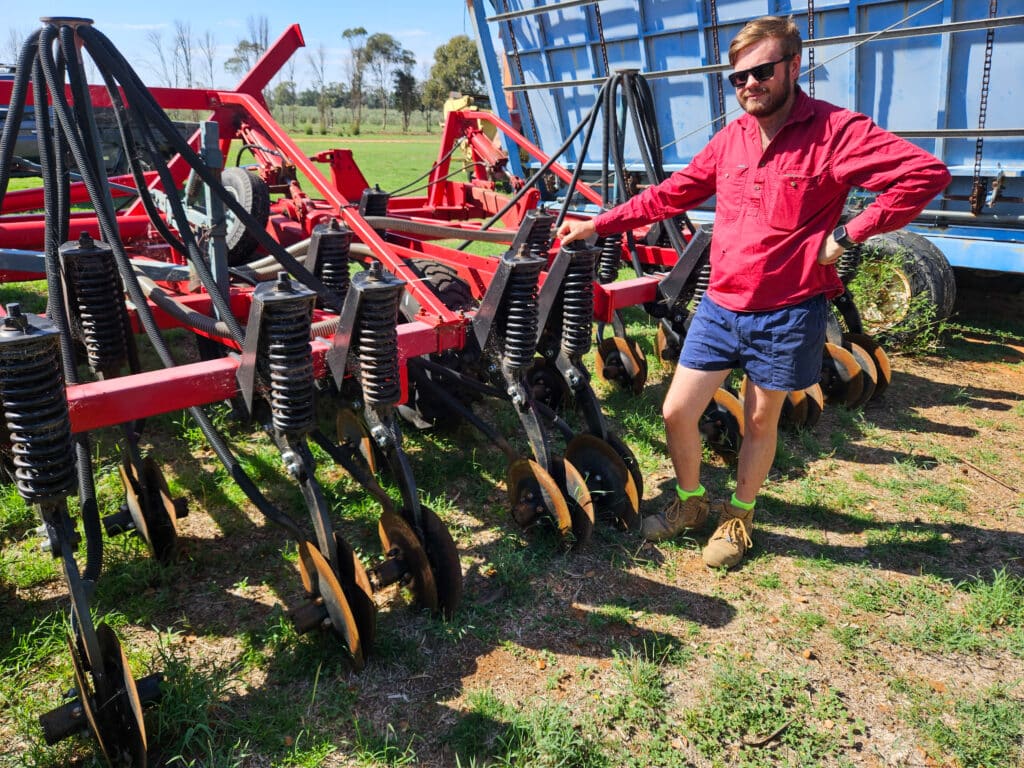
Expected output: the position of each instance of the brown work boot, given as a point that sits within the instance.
(731, 539)
(679, 515)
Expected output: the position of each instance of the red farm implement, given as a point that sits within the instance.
(341, 296)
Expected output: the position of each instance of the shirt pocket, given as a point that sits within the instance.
(729, 195)
(793, 199)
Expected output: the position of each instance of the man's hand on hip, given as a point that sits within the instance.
(830, 251)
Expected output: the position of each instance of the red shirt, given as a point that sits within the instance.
(775, 208)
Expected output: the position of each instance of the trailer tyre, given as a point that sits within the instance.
(905, 285)
(254, 195)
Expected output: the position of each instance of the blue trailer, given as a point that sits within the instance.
(943, 73)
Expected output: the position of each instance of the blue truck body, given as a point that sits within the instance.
(917, 67)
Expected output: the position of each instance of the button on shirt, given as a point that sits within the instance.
(774, 208)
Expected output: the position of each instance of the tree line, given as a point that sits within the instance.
(377, 71)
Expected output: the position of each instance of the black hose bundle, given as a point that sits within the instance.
(52, 57)
(624, 95)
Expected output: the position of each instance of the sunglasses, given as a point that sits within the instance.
(761, 73)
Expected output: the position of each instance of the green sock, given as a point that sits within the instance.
(745, 506)
(684, 495)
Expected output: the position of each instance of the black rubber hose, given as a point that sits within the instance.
(147, 104)
(16, 110)
(542, 170)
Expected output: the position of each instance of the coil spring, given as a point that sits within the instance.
(578, 304)
(377, 341)
(701, 287)
(539, 241)
(98, 306)
(332, 263)
(36, 412)
(289, 364)
(848, 264)
(520, 318)
(608, 264)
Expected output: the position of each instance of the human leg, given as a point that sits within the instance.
(688, 395)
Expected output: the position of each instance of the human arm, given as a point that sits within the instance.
(906, 177)
(576, 229)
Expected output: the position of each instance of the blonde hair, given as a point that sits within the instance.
(756, 30)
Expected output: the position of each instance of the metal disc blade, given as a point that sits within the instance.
(881, 359)
(396, 535)
(580, 504)
(343, 622)
(533, 493)
(611, 485)
(842, 379)
(623, 362)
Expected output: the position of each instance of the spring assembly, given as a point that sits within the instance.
(329, 248)
(35, 407)
(95, 302)
(539, 241)
(608, 263)
(377, 336)
(520, 317)
(703, 281)
(578, 304)
(287, 360)
(848, 264)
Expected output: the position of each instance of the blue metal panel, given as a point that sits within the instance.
(922, 83)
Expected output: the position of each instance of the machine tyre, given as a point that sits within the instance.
(254, 195)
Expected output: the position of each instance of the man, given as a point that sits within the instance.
(781, 174)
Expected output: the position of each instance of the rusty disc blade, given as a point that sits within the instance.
(722, 422)
(444, 560)
(85, 699)
(867, 364)
(343, 622)
(579, 502)
(546, 383)
(842, 379)
(399, 540)
(119, 709)
(607, 478)
(668, 351)
(532, 493)
(815, 404)
(351, 431)
(881, 360)
(629, 459)
(794, 410)
(356, 584)
(621, 361)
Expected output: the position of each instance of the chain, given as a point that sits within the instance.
(978, 186)
(718, 60)
(519, 71)
(810, 49)
(600, 36)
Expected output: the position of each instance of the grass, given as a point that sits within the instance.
(879, 619)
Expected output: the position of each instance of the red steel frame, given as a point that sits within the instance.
(244, 112)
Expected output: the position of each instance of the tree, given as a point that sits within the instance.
(208, 48)
(248, 52)
(355, 67)
(318, 68)
(183, 56)
(456, 68)
(384, 55)
(163, 68)
(407, 96)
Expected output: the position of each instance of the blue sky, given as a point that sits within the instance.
(419, 25)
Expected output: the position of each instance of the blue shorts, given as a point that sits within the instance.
(778, 349)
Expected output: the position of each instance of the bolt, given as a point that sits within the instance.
(15, 320)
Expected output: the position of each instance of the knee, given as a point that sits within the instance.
(678, 413)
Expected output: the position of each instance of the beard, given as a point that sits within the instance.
(770, 100)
